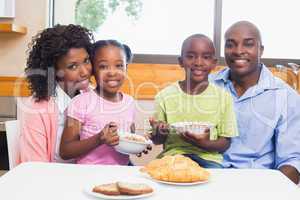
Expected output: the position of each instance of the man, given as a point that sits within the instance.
(266, 108)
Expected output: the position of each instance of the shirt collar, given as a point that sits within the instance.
(266, 79)
(223, 75)
(62, 99)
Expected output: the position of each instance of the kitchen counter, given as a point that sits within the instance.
(2, 123)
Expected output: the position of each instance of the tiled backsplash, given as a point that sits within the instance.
(7, 110)
(144, 110)
(7, 107)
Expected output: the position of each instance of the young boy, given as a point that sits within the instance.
(195, 100)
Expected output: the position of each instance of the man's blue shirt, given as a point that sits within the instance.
(268, 117)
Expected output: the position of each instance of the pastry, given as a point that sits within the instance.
(176, 168)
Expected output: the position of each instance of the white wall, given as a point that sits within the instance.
(32, 14)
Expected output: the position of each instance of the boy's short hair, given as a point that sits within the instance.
(198, 35)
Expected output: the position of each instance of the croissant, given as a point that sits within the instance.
(176, 168)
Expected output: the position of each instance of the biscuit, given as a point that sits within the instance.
(107, 189)
(133, 188)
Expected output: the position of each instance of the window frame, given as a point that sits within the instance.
(173, 59)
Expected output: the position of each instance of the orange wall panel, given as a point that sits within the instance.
(143, 80)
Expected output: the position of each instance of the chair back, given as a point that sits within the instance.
(298, 79)
(12, 137)
(287, 75)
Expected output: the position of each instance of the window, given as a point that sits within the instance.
(277, 21)
(160, 26)
(155, 29)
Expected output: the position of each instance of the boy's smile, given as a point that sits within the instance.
(198, 58)
(198, 71)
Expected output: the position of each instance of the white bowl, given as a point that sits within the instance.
(193, 127)
(130, 143)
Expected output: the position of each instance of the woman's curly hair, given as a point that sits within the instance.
(45, 49)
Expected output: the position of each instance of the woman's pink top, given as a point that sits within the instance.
(39, 122)
(38, 127)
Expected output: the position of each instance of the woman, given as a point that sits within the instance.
(58, 68)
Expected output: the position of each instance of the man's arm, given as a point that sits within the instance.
(287, 138)
(291, 172)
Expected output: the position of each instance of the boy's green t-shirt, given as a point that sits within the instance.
(213, 105)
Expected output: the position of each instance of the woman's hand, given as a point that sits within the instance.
(109, 134)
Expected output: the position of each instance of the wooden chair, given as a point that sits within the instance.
(298, 76)
(287, 75)
(218, 68)
(12, 137)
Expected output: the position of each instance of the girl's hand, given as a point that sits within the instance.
(148, 148)
(159, 127)
(109, 134)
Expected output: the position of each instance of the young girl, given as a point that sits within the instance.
(58, 67)
(94, 118)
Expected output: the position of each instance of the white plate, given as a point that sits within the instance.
(193, 127)
(89, 191)
(177, 183)
(174, 183)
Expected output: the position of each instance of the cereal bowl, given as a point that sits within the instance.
(130, 143)
(193, 127)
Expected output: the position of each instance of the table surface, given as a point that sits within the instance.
(53, 181)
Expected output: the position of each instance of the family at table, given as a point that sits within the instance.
(67, 120)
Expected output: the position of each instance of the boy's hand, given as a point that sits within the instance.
(159, 127)
(198, 139)
(109, 134)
